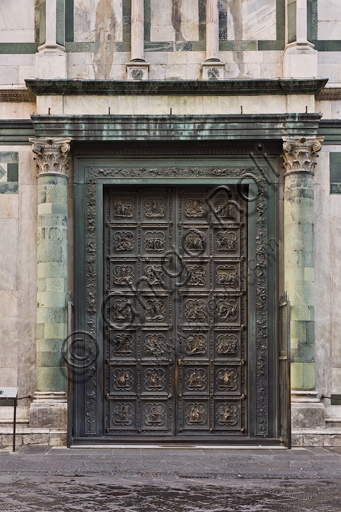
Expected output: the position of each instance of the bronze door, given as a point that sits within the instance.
(175, 341)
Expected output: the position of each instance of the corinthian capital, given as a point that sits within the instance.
(51, 155)
(300, 155)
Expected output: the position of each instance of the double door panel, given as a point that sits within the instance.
(175, 336)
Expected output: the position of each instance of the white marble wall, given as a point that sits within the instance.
(329, 65)
(327, 279)
(18, 278)
(251, 20)
(168, 24)
(98, 20)
(329, 19)
(17, 21)
(15, 68)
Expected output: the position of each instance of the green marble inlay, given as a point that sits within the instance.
(238, 46)
(335, 188)
(12, 172)
(42, 22)
(147, 20)
(271, 45)
(336, 399)
(222, 20)
(202, 20)
(291, 21)
(20, 48)
(280, 20)
(60, 21)
(335, 167)
(69, 20)
(9, 188)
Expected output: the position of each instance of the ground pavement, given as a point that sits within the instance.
(163, 479)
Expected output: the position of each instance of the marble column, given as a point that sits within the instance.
(299, 157)
(137, 68)
(51, 56)
(51, 157)
(212, 68)
(300, 57)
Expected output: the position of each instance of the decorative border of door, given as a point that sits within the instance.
(87, 384)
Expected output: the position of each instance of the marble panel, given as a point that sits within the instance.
(9, 377)
(329, 57)
(54, 103)
(322, 276)
(335, 289)
(335, 110)
(328, 10)
(8, 332)
(162, 28)
(8, 206)
(9, 75)
(251, 20)
(336, 376)
(12, 21)
(298, 103)
(189, 16)
(329, 30)
(157, 72)
(16, 110)
(8, 258)
(325, 108)
(82, 71)
(92, 16)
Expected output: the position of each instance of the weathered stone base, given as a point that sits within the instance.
(26, 436)
(49, 413)
(316, 437)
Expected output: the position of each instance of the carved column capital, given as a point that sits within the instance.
(52, 155)
(300, 154)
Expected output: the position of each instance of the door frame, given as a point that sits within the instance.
(91, 175)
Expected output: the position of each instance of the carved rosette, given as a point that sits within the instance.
(52, 155)
(300, 155)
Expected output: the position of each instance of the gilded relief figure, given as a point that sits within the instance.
(227, 380)
(154, 414)
(227, 414)
(195, 344)
(123, 414)
(195, 414)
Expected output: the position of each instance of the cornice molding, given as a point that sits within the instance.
(234, 87)
(329, 94)
(17, 95)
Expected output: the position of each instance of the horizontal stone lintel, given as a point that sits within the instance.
(188, 127)
(232, 87)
